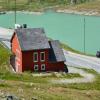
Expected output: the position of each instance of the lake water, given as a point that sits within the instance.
(68, 28)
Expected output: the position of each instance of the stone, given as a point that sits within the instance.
(12, 97)
(34, 98)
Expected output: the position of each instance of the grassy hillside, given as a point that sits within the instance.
(27, 85)
(40, 5)
(94, 5)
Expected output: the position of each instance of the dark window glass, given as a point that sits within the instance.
(42, 56)
(35, 57)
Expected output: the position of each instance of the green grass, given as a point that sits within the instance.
(88, 6)
(4, 55)
(35, 79)
(35, 5)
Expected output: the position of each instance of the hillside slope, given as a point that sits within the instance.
(40, 5)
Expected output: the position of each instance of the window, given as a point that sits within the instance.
(43, 67)
(42, 56)
(35, 57)
(35, 67)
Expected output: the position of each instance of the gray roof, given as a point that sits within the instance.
(32, 38)
(56, 52)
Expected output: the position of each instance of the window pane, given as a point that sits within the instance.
(42, 56)
(43, 67)
(35, 57)
(35, 67)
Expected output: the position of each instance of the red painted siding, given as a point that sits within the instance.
(57, 66)
(28, 63)
(16, 50)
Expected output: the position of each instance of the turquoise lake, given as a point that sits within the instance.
(68, 28)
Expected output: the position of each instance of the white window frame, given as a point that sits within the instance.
(37, 67)
(34, 56)
(43, 65)
(41, 57)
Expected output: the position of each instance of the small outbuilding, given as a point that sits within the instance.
(33, 52)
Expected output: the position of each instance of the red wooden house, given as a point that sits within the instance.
(33, 51)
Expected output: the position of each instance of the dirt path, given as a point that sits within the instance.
(86, 77)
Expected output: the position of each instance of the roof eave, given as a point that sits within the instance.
(34, 49)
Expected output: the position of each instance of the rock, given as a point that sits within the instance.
(12, 97)
(9, 97)
(34, 98)
(2, 13)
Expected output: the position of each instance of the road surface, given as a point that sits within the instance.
(73, 59)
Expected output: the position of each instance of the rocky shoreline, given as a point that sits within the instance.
(68, 11)
(24, 12)
(85, 12)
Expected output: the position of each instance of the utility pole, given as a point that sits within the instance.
(15, 11)
(84, 34)
(7, 5)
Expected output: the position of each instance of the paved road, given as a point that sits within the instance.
(5, 32)
(5, 36)
(73, 59)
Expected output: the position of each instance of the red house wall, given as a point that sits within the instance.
(28, 63)
(57, 66)
(16, 50)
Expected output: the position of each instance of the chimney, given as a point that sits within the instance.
(24, 25)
